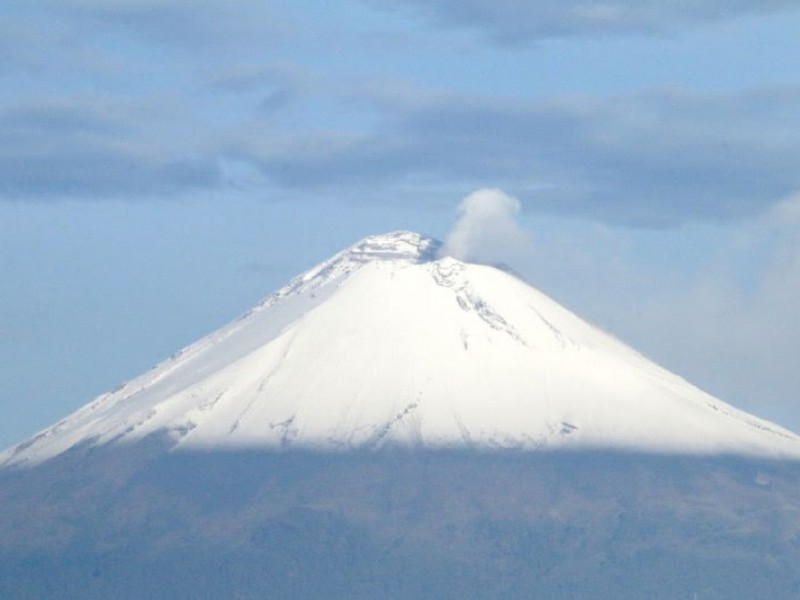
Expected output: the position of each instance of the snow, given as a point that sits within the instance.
(386, 344)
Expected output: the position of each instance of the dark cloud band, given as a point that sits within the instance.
(656, 158)
(94, 148)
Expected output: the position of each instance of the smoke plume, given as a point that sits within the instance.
(486, 230)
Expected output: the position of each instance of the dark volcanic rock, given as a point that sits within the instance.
(134, 522)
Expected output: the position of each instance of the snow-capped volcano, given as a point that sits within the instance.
(387, 343)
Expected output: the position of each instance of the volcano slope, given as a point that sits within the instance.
(398, 424)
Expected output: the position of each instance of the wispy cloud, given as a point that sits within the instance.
(94, 147)
(655, 158)
(739, 339)
(717, 305)
(202, 26)
(194, 86)
(514, 21)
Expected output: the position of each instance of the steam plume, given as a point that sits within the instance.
(486, 230)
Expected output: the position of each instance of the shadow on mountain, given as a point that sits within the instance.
(113, 522)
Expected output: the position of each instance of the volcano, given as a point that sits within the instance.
(397, 423)
(389, 344)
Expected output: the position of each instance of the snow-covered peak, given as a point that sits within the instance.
(386, 344)
(398, 245)
(402, 246)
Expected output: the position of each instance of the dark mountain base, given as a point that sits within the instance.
(138, 523)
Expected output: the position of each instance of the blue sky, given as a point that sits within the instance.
(164, 164)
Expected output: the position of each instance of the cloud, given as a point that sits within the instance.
(716, 305)
(655, 158)
(785, 214)
(249, 77)
(176, 76)
(515, 21)
(486, 230)
(97, 148)
(738, 339)
(203, 27)
(42, 46)
(196, 86)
